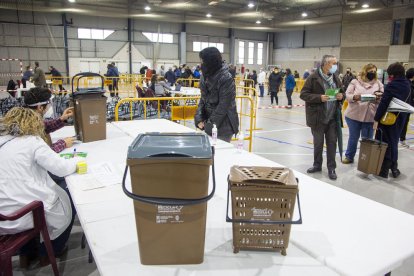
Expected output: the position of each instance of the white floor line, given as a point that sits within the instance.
(277, 130)
(283, 153)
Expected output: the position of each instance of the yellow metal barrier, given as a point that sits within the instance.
(188, 82)
(299, 85)
(253, 94)
(186, 112)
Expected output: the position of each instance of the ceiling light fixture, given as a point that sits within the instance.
(72, 1)
(304, 14)
(208, 15)
(147, 8)
(250, 5)
(365, 6)
(258, 22)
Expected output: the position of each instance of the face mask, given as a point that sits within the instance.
(333, 69)
(48, 113)
(371, 75)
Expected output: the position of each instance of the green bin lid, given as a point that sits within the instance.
(170, 145)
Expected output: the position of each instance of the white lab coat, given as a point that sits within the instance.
(261, 78)
(24, 165)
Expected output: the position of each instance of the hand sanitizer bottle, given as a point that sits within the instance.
(214, 134)
(240, 142)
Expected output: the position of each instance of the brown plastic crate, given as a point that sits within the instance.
(263, 200)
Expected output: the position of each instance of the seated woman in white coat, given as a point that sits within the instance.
(25, 160)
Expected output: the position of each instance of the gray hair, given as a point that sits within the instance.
(326, 59)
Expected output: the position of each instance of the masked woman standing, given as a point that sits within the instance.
(217, 105)
(398, 87)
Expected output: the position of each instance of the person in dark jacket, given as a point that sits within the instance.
(275, 79)
(111, 74)
(254, 78)
(170, 76)
(290, 85)
(232, 70)
(398, 87)
(56, 75)
(177, 72)
(218, 97)
(306, 74)
(115, 80)
(39, 78)
(348, 77)
(410, 76)
(322, 114)
(27, 75)
(295, 74)
(143, 70)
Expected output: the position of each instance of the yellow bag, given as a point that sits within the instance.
(388, 119)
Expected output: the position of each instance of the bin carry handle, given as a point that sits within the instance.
(228, 219)
(87, 74)
(381, 133)
(170, 201)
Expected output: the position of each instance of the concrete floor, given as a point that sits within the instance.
(284, 138)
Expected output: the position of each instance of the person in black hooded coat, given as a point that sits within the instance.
(398, 87)
(218, 97)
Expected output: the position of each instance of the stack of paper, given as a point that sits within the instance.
(98, 176)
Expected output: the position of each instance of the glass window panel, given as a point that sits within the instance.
(107, 33)
(84, 33)
(220, 47)
(148, 35)
(167, 38)
(196, 46)
(204, 45)
(97, 34)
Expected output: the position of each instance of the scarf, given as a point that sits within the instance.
(328, 78)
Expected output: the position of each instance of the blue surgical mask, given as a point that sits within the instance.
(333, 69)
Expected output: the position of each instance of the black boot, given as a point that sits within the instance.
(394, 169)
(385, 169)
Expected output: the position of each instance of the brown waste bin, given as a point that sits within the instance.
(371, 155)
(89, 110)
(169, 180)
(263, 200)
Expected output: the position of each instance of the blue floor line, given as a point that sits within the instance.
(283, 142)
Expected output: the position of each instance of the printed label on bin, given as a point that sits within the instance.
(169, 214)
(363, 156)
(262, 213)
(93, 119)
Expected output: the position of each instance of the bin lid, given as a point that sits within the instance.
(170, 145)
(252, 175)
(88, 91)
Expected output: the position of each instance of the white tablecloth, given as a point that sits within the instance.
(341, 232)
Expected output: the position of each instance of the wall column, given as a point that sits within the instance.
(130, 44)
(65, 42)
(232, 45)
(182, 44)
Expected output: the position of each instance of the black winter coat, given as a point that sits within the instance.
(274, 82)
(217, 104)
(399, 88)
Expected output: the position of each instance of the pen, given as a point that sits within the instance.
(74, 152)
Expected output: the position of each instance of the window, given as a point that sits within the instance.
(241, 52)
(259, 53)
(198, 46)
(250, 53)
(156, 37)
(93, 33)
